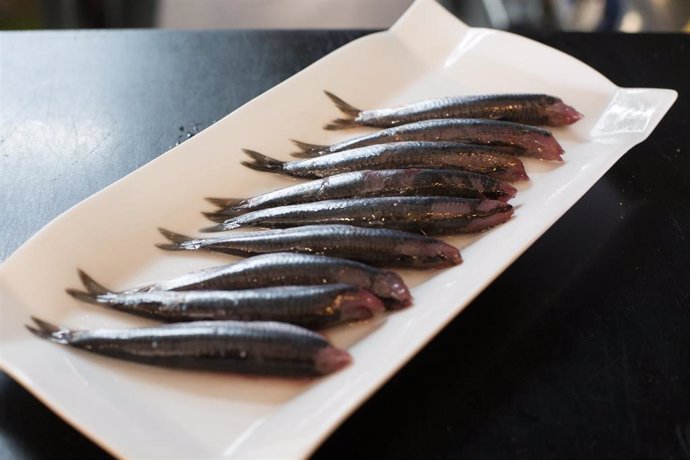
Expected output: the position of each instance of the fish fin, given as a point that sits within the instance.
(218, 217)
(179, 242)
(262, 162)
(307, 150)
(49, 331)
(226, 202)
(347, 109)
(84, 296)
(342, 105)
(91, 285)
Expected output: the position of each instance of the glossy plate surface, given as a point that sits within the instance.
(138, 411)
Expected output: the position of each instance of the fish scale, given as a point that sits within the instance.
(261, 271)
(514, 138)
(371, 183)
(283, 268)
(377, 246)
(258, 347)
(531, 109)
(398, 155)
(431, 215)
(313, 307)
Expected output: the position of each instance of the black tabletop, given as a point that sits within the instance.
(581, 349)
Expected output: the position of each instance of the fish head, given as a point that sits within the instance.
(358, 304)
(448, 253)
(430, 253)
(391, 287)
(540, 143)
(560, 114)
(330, 359)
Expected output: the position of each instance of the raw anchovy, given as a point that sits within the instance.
(284, 268)
(530, 109)
(432, 215)
(510, 137)
(411, 154)
(377, 246)
(307, 306)
(259, 347)
(362, 184)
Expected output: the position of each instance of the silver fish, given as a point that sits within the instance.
(258, 347)
(286, 268)
(409, 154)
(376, 246)
(362, 184)
(510, 137)
(530, 109)
(312, 307)
(431, 215)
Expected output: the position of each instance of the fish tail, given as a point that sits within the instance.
(91, 285)
(262, 162)
(49, 331)
(307, 150)
(225, 222)
(226, 202)
(341, 123)
(179, 242)
(230, 207)
(218, 217)
(342, 105)
(217, 228)
(93, 289)
(350, 111)
(84, 296)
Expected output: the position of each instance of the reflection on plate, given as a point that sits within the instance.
(138, 411)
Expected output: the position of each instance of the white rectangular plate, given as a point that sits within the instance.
(138, 411)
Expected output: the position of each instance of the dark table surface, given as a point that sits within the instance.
(580, 349)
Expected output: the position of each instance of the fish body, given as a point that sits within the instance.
(282, 269)
(377, 246)
(510, 137)
(431, 215)
(399, 155)
(363, 184)
(530, 109)
(260, 347)
(312, 307)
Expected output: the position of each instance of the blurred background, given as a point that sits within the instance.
(522, 15)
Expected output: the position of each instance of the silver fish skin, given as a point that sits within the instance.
(368, 183)
(530, 109)
(286, 268)
(260, 347)
(399, 155)
(514, 138)
(376, 246)
(431, 215)
(313, 307)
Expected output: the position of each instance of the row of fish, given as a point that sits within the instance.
(253, 317)
(439, 167)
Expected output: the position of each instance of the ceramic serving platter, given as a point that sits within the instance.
(140, 411)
